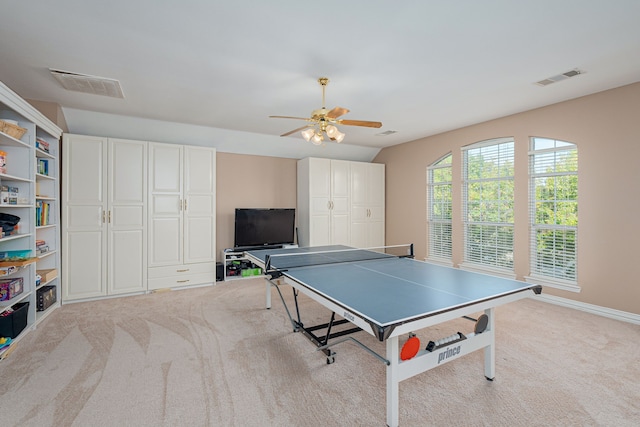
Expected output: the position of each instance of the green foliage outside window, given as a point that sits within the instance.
(554, 167)
(490, 195)
(440, 208)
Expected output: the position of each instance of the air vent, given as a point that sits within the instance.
(88, 84)
(559, 77)
(386, 133)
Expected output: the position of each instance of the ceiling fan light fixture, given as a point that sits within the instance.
(334, 134)
(307, 134)
(339, 137)
(321, 122)
(317, 138)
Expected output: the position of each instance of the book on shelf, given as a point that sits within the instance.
(41, 247)
(9, 195)
(43, 167)
(42, 144)
(42, 213)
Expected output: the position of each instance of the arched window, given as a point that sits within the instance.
(488, 204)
(553, 208)
(439, 209)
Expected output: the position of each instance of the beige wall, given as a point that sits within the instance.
(52, 111)
(245, 181)
(606, 128)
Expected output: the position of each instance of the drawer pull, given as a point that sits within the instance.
(182, 271)
(182, 281)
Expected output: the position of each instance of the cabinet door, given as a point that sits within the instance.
(165, 205)
(320, 183)
(367, 207)
(376, 197)
(340, 201)
(199, 204)
(359, 205)
(127, 198)
(85, 257)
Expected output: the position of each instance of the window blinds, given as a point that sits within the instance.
(439, 208)
(488, 203)
(553, 167)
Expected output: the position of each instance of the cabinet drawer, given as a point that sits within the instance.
(182, 270)
(185, 280)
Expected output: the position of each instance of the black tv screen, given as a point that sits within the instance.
(264, 227)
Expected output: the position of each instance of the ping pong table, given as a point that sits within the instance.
(388, 294)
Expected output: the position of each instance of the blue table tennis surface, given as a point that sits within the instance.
(390, 290)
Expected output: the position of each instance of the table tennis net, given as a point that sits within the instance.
(313, 258)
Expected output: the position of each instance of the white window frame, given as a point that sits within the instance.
(557, 272)
(439, 245)
(495, 254)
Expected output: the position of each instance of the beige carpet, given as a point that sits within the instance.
(215, 357)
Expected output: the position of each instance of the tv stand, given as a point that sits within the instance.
(237, 266)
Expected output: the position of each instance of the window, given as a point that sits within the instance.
(488, 201)
(553, 208)
(439, 208)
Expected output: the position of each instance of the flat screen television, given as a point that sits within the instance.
(264, 227)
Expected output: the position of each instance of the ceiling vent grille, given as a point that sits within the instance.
(560, 77)
(88, 84)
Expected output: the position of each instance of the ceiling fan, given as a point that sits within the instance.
(322, 122)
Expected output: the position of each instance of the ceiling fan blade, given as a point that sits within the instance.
(359, 123)
(294, 131)
(337, 112)
(289, 117)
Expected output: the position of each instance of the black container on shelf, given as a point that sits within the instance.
(46, 296)
(13, 323)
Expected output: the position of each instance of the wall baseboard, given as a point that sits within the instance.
(590, 308)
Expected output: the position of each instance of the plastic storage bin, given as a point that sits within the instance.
(11, 324)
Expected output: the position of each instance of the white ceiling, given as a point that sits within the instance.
(217, 69)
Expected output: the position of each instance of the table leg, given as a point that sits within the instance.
(489, 351)
(268, 302)
(393, 356)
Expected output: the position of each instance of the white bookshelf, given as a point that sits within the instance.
(35, 188)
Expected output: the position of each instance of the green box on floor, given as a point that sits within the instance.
(251, 272)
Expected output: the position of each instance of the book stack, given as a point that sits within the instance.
(41, 247)
(42, 213)
(42, 144)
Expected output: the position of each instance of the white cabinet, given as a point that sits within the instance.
(105, 211)
(367, 204)
(29, 143)
(323, 202)
(340, 202)
(182, 227)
